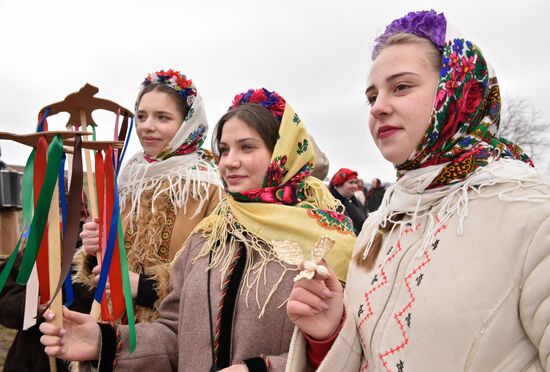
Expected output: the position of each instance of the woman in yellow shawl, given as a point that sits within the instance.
(229, 284)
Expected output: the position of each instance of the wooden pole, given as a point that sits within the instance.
(89, 173)
(92, 200)
(54, 263)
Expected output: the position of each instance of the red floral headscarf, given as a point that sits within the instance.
(465, 119)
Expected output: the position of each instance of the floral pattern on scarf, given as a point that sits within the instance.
(465, 118)
(193, 142)
(180, 164)
(192, 132)
(331, 220)
(291, 165)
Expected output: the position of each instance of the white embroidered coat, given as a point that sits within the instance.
(473, 302)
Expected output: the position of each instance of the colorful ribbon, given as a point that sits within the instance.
(126, 283)
(40, 216)
(115, 265)
(110, 267)
(73, 216)
(68, 285)
(115, 276)
(42, 265)
(126, 142)
(43, 124)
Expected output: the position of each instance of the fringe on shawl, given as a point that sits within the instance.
(457, 202)
(149, 202)
(318, 196)
(179, 183)
(223, 234)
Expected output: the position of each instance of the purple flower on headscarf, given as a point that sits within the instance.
(426, 23)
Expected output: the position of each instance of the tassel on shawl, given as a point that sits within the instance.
(223, 234)
(179, 182)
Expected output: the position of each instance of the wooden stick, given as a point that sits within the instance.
(31, 300)
(92, 199)
(69, 172)
(54, 263)
(89, 174)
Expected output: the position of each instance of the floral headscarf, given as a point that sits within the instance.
(465, 119)
(291, 206)
(283, 180)
(461, 151)
(192, 133)
(182, 169)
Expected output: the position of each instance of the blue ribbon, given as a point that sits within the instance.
(126, 142)
(40, 127)
(62, 199)
(108, 256)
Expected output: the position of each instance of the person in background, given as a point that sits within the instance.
(361, 192)
(375, 195)
(343, 186)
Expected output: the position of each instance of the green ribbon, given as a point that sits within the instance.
(27, 190)
(28, 206)
(42, 209)
(126, 287)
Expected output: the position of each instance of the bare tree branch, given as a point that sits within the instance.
(523, 124)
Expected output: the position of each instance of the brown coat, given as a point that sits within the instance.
(180, 339)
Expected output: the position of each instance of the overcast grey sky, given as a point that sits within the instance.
(315, 53)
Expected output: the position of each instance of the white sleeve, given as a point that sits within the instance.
(534, 305)
(344, 356)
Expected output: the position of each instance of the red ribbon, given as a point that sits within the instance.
(100, 189)
(42, 265)
(115, 275)
(105, 175)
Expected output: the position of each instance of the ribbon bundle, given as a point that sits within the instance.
(114, 265)
(44, 171)
(40, 177)
(111, 242)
